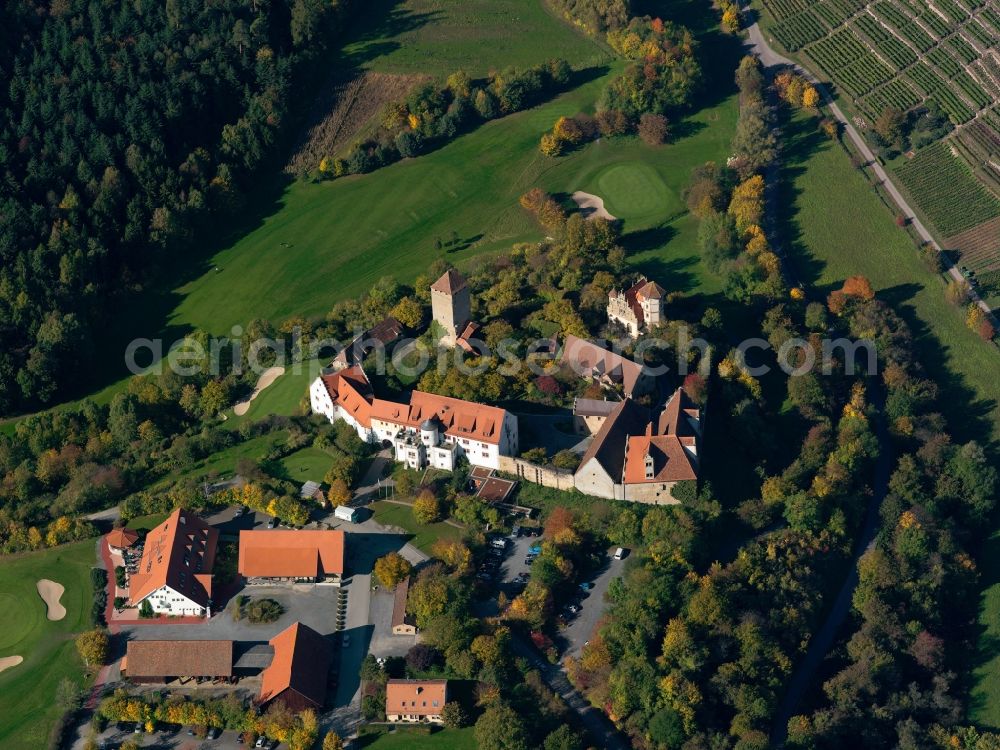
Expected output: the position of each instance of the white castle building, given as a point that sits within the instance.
(638, 308)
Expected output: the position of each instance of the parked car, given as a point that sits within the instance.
(261, 741)
(347, 640)
(499, 543)
(529, 561)
(213, 733)
(270, 525)
(138, 728)
(239, 512)
(620, 553)
(535, 549)
(586, 586)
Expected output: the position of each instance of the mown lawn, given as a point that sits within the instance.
(841, 228)
(423, 535)
(446, 739)
(330, 241)
(307, 464)
(438, 37)
(27, 691)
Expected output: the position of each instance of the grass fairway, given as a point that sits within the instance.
(635, 190)
(422, 535)
(27, 691)
(446, 739)
(438, 37)
(283, 396)
(317, 247)
(843, 229)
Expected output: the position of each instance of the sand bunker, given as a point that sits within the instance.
(51, 592)
(6, 662)
(591, 206)
(266, 378)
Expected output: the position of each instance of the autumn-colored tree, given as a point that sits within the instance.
(731, 18)
(533, 199)
(653, 128)
(858, 286)
(974, 316)
(550, 145)
(612, 122)
(747, 204)
(339, 493)
(568, 130)
(92, 646)
(810, 97)
(454, 554)
(426, 508)
(986, 330)
(696, 388)
(559, 520)
(392, 569)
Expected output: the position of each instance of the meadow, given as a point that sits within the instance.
(28, 711)
(438, 37)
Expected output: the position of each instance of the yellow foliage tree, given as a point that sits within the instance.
(550, 145)
(810, 97)
(747, 204)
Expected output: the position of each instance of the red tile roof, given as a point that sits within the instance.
(298, 672)
(673, 449)
(350, 390)
(179, 659)
(461, 419)
(122, 538)
(416, 697)
(608, 446)
(399, 616)
(450, 282)
(280, 553)
(178, 553)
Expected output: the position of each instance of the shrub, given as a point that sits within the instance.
(653, 129)
(263, 611)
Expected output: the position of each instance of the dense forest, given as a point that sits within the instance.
(123, 127)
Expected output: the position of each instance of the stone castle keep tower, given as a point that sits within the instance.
(450, 305)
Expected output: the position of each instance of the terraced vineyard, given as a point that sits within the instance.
(902, 54)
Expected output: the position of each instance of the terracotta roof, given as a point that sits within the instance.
(461, 419)
(179, 658)
(650, 290)
(671, 461)
(468, 332)
(415, 696)
(608, 446)
(281, 553)
(399, 616)
(350, 390)
(590, 360)
(122, 538)
(450, 282)
(300, 664)
(673, 449)
(178, 553)
(593, 407)
(671, 421)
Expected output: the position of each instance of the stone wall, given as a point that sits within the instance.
(546, 476)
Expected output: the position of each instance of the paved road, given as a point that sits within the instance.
(769, 58)
(601, 730)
